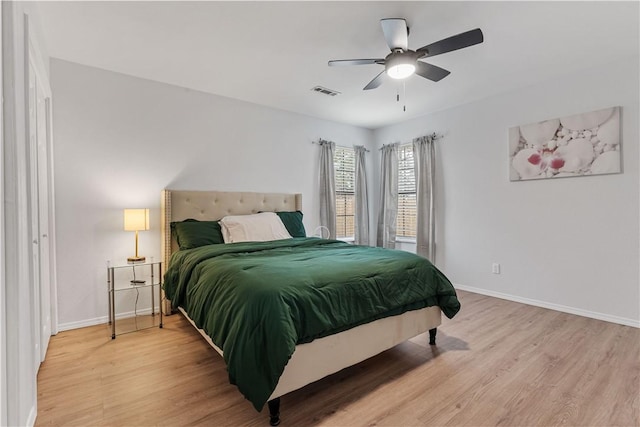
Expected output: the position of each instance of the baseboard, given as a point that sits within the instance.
(557, 307)
(100, 320)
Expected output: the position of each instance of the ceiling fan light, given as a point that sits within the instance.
(401, 71)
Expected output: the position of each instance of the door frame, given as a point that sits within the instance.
(33, 57)
(3, 296)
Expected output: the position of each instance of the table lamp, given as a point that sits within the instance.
(136, 220)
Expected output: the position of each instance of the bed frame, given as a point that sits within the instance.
(321, 357)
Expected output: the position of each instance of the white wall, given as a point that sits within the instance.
(120, 140)
(572, 243)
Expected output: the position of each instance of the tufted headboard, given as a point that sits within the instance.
(178, 205)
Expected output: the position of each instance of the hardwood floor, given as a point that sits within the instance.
(496, 363)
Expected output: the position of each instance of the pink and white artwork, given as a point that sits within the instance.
(584, 144)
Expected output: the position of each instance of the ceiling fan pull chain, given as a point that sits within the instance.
(404, 95)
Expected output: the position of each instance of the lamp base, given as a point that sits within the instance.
(135, 259)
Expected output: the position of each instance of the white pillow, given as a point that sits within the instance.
(259, 227)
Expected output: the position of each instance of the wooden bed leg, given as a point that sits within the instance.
(432, 336)
(274, 411)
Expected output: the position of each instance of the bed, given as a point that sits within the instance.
(197, 281)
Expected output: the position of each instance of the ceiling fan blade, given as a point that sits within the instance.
(452, 43)
(430, 71)
(395, 33)
(338, 62)
(377, 81)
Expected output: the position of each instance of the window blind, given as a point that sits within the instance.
(345, 170)
(407, 212)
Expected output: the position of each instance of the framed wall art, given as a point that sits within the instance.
(579, 145)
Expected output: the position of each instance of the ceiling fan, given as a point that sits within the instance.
(403, 62)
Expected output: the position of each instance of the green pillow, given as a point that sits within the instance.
(293, 223)
(192, 233)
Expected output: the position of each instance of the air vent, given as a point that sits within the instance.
(325, 91)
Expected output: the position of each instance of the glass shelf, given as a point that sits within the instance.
(129, 282)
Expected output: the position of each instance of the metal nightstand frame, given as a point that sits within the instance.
(111, 287)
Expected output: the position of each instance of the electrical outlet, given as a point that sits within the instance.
(495, 268)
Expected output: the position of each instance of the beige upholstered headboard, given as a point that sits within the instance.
(178, 205)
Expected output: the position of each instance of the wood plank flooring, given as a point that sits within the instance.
(496, 363)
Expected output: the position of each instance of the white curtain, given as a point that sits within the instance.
(386, 236)
(327, 188)
(424, 166)
(362, 198)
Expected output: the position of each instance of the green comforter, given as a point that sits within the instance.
(258, 300)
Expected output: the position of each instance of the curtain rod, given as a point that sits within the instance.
(434, 136)
(314, 142)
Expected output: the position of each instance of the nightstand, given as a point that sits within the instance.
(134, 287)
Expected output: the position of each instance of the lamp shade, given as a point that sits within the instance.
(136, 219)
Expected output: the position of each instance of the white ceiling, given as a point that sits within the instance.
(273, 53)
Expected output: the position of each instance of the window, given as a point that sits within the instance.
(407, 211)
(344, 164)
